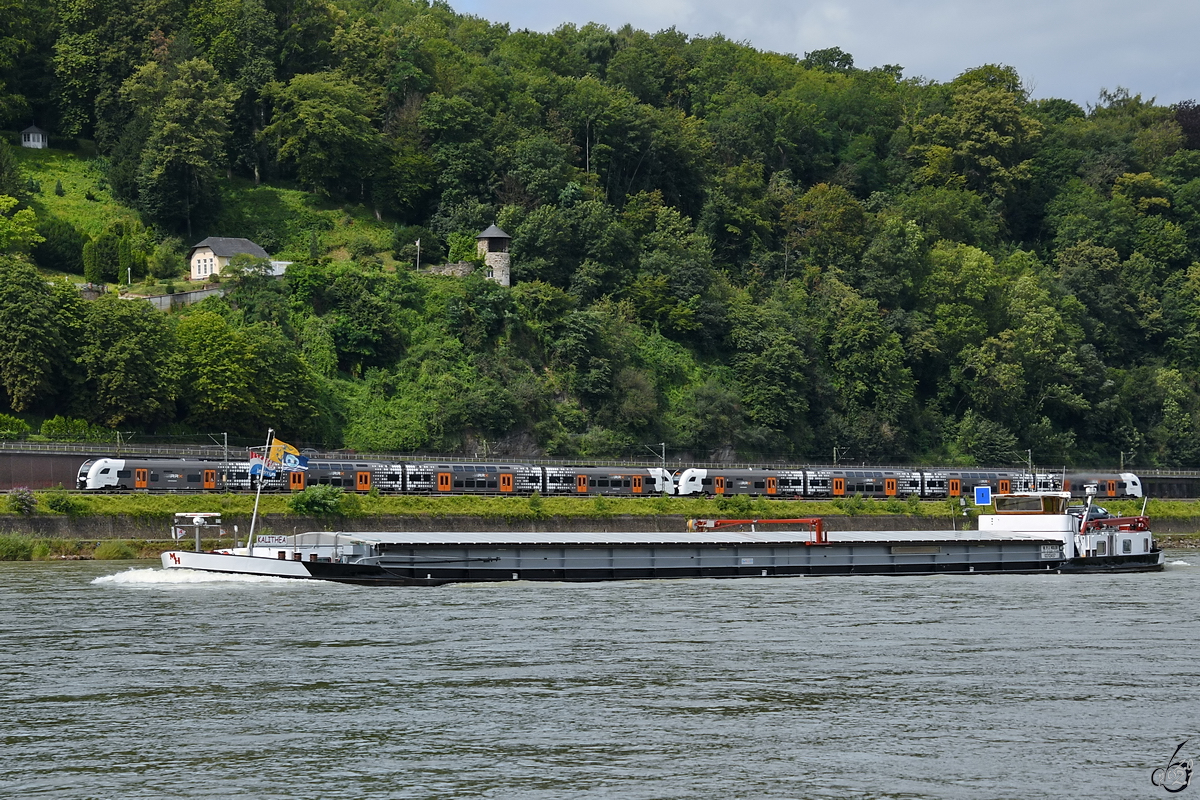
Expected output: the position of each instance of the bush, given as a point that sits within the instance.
(21, 500)
(13, 428)
(15, 548)
(113, 551)
(360, 247)
(58, 188)
(321, 500)
(166, 260)
(64, 429)
(62, 248)
(537, 506)
(59, 501)
(852, 506)
(738, 504)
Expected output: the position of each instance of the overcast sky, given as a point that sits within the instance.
(1062, 48)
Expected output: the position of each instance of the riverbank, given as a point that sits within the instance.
(63, 513)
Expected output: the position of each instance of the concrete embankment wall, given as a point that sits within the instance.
(125, 527)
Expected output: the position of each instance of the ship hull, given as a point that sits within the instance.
(434, 565)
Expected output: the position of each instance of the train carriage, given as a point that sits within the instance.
(780, 483)
(881, 483)
(618, 481)
(358, 476)
(959, 483)
(444, 478)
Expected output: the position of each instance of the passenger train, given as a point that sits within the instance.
(437, 478)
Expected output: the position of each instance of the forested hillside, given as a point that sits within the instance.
(729, 251)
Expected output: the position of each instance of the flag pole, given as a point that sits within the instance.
(262, 476)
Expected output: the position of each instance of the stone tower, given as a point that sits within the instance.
(492, 244)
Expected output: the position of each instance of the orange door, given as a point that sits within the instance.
(296, 481)
(889, 487)
(839, 487)
(210, 479)
(1112, 488)
(505, 482)
(955, 487)
(581, 484)
(637, 484)
(443, 481)
(362, 481)
(140, 477)
(1066, 484)
(718, 485)
(772, 485)
(1005, 486)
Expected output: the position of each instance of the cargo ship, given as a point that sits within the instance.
(1027, 533)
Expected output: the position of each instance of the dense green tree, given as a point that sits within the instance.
(31, 336)
(322, 127)
(128, 361)
(187, 107)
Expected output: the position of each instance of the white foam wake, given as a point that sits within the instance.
(182, 576)
(1179, 563)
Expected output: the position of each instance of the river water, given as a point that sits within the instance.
(122, 682)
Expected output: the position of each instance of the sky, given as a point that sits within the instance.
(1070, 49)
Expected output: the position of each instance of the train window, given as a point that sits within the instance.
(193, 478)
(122, 473)
(392, 476)
(601, 482)
(335, 481)
(458, 469)
(465, 484)
(626, 484)
(490, 484)
(760, 485)
(592, 482)
(104, 471)
(706, 481)
(532, 479)
(154, 477)
(1127, 545)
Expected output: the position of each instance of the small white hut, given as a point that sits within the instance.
(35, 137)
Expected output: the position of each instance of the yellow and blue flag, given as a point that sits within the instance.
(287, 457)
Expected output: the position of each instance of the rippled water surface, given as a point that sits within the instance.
(138, 683)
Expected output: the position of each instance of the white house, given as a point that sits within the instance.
(213, 254)
(35, 137)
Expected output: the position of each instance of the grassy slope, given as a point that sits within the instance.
(286, 215)
(79, 176)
